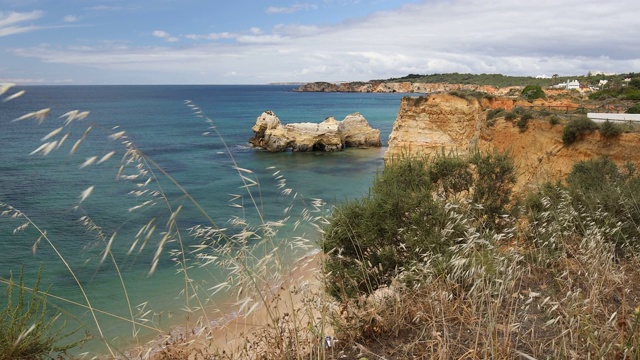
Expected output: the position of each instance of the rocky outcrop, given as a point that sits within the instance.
(428, 125)
(435, 123)
(329, 135)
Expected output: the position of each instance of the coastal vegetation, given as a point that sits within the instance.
(27, 331)
(500, 80)
(556, 269)
(576, 128)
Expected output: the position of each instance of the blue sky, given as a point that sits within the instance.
(263, 41)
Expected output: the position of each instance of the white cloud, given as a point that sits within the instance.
(164, 35)
(70, 18)
(292, 9)
(503, 36)
(105, 8)
(10, 22)
(212, 36)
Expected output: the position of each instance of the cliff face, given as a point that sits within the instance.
(329, 135)
(443, 121)
(427, 125)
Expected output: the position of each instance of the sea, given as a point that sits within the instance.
(194, 142)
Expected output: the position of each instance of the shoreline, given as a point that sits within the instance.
(231, 332)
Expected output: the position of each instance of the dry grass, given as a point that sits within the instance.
(504, 296)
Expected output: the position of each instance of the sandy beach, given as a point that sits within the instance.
(296, 303)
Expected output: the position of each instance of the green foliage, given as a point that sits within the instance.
(554, 120)
(450, 176)
(605, 195)
(495, 177)
(544, 112)
(371, 240)
(26, 330)
(616, 88)
(532, 92)
(635, 109)
(519, 110)
(470, 94)
(608, 129)
(576, 128)
(494, 113)
(632, 94)
(510, 116)
(609, 194)
(523, 123)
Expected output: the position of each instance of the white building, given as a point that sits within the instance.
(569, 85)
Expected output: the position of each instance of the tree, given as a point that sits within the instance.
(532, 92)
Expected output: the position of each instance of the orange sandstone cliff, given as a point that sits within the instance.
(426, 126)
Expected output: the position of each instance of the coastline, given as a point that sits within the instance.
(232, 332)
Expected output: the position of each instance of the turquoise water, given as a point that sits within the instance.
(166, 130)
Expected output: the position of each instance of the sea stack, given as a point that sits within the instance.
(328, 135)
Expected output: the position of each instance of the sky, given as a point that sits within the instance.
(266, 41)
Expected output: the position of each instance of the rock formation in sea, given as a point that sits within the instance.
(329, 135)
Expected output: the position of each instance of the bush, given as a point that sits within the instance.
(510, 116)
(634, 109)
(519, 110)
(494, 181)
(523, 123)
(576, 128)
(494, 113)
(450, 176)
(544, 113)
(26, 329)
(554, 120)
(632, 94)
(370, 241)
(609, 129)
(609, 196)
(532, 92)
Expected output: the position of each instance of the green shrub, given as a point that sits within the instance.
(27, 331)
(368, 240)
(510, 116)
(523, 123)
(495, 177)
(608, 195)
(494, 113)
(635, 109)
(632, 94)
(544, 113)
(450, 176)
(609, 129)
(532, 92)
(576, 128)
(554, 120)
(519, 110)
(408, 213)
(599, 193)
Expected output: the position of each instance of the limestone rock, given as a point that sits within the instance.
(356, 132)
(329, 135)
(428, 125)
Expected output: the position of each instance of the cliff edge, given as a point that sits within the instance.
(426, 126)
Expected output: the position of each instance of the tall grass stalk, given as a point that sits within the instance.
(255, 258)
